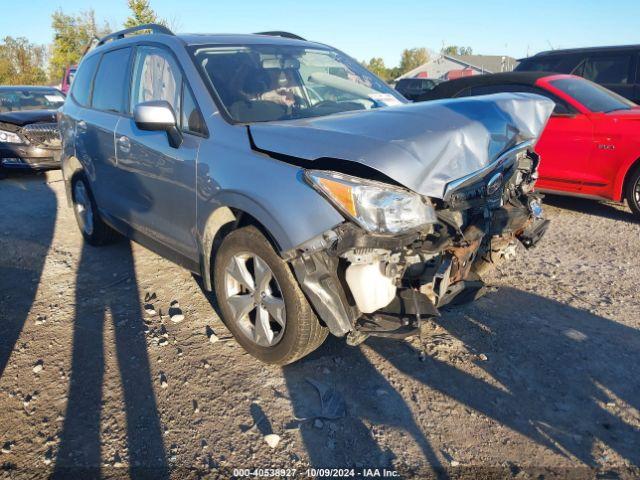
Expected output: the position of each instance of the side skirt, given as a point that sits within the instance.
(151, 244)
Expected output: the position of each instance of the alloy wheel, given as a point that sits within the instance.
(82, 204)
(255, 299)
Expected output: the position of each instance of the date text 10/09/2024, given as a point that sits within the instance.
(315, 472)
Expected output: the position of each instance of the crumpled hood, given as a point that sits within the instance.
(422, 146)
(25, 117)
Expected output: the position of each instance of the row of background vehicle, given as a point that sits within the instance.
(616, 68)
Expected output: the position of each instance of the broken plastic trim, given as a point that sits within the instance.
(317, 275)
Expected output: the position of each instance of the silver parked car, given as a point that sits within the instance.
(301, 188)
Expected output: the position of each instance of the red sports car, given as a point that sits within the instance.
(591, 146)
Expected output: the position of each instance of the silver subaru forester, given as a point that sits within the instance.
(309, 195)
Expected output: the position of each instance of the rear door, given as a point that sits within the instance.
(73, 139)
(160, 179)
(95, 131)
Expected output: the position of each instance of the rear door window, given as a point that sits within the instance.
(608, 69)
(551, 63)
(81, 88)
(112, 81)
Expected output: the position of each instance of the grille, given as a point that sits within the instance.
(45, 135)
(488, 191)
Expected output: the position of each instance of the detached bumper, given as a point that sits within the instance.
(28, 157)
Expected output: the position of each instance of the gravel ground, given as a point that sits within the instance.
(540, 376)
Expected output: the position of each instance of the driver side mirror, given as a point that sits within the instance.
(158, 115)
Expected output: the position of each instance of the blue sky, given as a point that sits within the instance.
(371, 28)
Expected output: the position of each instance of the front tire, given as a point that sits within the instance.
(261, 302)
(93, 229)
(633, 191)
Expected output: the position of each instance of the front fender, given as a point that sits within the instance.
(274, 193)
(621, 178)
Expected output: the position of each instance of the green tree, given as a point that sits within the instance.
(412, 58)
(455, 50)
(450, 50)
(141, 13)
(72, 35)
(377, 67)
(22, 62)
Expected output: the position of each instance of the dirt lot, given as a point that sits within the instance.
(542, 375)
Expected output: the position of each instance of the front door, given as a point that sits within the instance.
(160, 179)
(565, 149)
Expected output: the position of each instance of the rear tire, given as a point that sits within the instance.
(93, 229)
(633, 191)
(293, 331)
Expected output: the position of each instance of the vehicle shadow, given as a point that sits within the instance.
(106, 290)
(24, 244)
(602, 208)
(347, 441)
(569, 382)
(372, 403)
(571, 379)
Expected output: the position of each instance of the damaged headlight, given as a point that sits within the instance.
(9, 137)
(377, 207)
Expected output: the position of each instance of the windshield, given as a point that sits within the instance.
(261, 83)
(593, 96)
(14, 99)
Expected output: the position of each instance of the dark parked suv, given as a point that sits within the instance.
(616, 68)
(305, 191)
(413, 88)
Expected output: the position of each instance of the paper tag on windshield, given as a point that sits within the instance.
(385, 98)
(54, 98)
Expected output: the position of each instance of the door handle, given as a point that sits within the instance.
(82, 126)
(124, 143)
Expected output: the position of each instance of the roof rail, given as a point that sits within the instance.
(154, 27)
(91, 44)
(278, 33)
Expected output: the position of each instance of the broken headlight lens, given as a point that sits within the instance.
(377, 207)
(9, 137)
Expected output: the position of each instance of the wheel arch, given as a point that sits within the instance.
(71, 168)
(225, 219)
(626, 178)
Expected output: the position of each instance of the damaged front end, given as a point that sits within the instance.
(381, 273)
